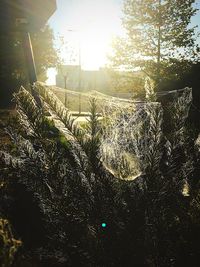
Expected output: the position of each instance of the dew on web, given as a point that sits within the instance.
(126, 136)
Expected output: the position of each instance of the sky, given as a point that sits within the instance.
(87, 28)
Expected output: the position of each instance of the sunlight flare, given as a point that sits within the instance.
(90, 36)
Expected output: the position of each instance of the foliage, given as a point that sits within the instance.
(94, 133)
(8, 244)
(127, 82)
(157, 137)
(46, 55)
(159, 40)
(87, 138)
(52, 180)
(62, 189)
(190, 79)
(150, 90)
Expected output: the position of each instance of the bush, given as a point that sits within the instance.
(8, 244)
(62, 189)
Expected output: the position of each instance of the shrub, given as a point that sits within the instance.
(61, 179)
(8, 244)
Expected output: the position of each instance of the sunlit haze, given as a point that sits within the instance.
(87, 28)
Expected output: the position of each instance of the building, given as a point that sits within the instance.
(74, 78)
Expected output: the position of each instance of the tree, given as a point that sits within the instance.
(130, 82)
(159, 40)
(13, 70)
(46, 56)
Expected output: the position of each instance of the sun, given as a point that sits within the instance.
(92, 28)
(87, 31)
(94, 47)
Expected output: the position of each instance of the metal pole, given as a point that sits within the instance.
(79, 84)
(65, 81)
(30, 63)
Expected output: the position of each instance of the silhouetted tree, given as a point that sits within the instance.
(159, 40)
